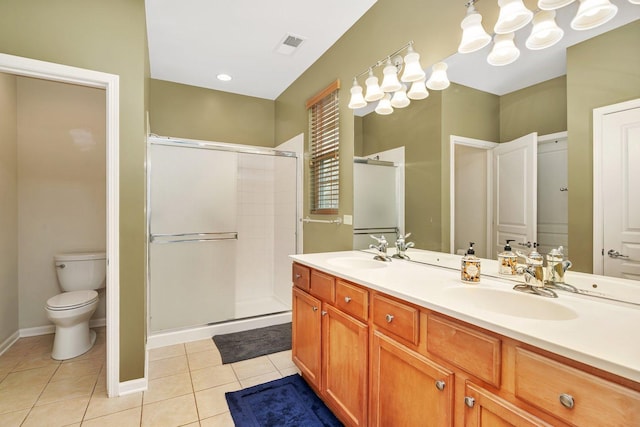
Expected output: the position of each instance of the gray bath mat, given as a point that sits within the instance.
(253, 343)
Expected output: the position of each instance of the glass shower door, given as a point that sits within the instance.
(193, 236)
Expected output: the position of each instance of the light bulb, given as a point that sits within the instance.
(399, 99)
(384, 105)
(513, 16)
(390, 82)
(593, 13)
(418, 90)
(412, 69)
(504, 50)
(553, 4)
(438, 79)
(373, 88)
(357, 100)
(545, 32)
(474, 36)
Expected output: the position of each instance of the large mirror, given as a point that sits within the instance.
(445, 207)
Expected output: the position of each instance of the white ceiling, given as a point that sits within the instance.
(192, 41)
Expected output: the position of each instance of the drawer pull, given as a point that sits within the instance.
(315, 308)
(567, 400)
(469, 401)
(323, 312)
(347, 299)
(389, 318)
(440, 385)
(298, 276)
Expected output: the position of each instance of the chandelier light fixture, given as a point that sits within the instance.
(544, 32)
(403, 80)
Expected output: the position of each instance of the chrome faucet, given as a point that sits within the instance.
(401, 246)
(381, 247)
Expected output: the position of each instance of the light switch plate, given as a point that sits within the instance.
(348, 219)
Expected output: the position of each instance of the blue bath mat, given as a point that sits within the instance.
(288, 401)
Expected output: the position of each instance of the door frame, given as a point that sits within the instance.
(481, 145)
(110, 83)
(598, 145)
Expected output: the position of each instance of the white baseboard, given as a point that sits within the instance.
(187, 335)
(6, 344)
(132, 386)
(50, 329)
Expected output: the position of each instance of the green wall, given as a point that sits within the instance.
(539, 108)
(192, 112)
(601, 71)
(107, 36)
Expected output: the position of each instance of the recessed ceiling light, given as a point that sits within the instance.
(224, 77)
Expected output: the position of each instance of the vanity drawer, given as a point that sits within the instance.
(322, 286)
(300, 276)
(352, 299)
(396, 318)
(573, 395)
(477, 353)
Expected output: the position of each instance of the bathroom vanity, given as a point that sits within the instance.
(406, 344)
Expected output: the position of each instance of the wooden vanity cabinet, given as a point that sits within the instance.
(393, 363)
(330, 346)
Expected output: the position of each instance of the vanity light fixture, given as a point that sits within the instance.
(392, 93)
(513, 16)
(474, 36)
(545, 32)
(593, 13)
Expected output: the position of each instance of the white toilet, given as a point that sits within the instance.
(80, 275)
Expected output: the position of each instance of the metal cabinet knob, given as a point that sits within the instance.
(315, 308)
(323, 312)
(440, 385)
(298, 276)
(567, 400)
(389, 318)
(347, 299)
(469, 401)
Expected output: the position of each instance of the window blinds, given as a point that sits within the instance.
(324, 137)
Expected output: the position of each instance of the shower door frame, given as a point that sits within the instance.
(157, 339)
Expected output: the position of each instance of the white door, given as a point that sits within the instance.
(553, 200)
(621, 193)
(515, 192)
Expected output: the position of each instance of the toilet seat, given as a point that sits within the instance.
(71, 300)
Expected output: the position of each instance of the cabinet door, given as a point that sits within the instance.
(407, 389)
(344, 365)
(484, 409)
(306, 336)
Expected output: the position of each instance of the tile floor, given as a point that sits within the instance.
(187, 383)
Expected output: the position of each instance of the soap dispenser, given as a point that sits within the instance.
(507, 260)
(470, 271)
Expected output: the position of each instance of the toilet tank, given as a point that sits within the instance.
(81, 270)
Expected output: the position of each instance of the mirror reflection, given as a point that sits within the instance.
(445, 148)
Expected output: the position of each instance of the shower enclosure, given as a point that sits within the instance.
(222, 222)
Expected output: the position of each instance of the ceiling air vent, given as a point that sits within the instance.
(289, 44)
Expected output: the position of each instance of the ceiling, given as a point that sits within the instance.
(192, 41)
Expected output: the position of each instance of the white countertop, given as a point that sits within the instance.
(597, 332)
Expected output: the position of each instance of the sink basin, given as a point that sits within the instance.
(357, 263)
(510, 303)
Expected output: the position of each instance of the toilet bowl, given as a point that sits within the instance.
(79, 275)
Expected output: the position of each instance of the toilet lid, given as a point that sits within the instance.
(69, 300)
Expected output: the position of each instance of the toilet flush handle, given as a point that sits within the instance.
(60, 266)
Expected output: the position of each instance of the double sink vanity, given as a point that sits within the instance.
(408, 344)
